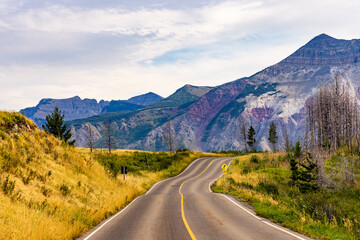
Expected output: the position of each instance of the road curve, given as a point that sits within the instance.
(183, 207)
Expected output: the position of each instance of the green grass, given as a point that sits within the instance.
(263, 180)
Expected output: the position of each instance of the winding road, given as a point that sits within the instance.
(183, 207)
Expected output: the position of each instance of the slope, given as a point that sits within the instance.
(130, 127)
(50, 190)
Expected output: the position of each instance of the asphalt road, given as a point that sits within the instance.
(183, 207)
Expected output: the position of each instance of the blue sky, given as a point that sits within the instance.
(119, 49)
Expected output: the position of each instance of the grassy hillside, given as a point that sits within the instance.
(263, 180)
(50, 190)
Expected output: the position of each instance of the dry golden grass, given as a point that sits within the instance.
(60, 191)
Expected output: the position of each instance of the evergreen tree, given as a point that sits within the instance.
(272, 136)
(251, 137)
(297, 149)
(56, 126)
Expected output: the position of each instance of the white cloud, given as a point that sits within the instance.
(58, 50)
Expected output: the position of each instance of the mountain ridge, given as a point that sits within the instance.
(275, 94)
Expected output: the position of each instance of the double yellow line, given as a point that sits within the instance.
(182, 202)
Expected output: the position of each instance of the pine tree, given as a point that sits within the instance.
(273, 136)
(55, 125)
(251, 137)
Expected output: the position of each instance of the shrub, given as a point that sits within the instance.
(254, 159)
(266, 187)
(65, 190)
(8, 186)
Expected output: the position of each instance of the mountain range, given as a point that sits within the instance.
(77, 108)
(207, 119)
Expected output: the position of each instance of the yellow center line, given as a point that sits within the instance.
(182, 203)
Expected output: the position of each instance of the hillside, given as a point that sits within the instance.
(130, 127)
(50, 190)
(265, 182)
(276, 94)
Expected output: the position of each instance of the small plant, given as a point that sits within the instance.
(65, 190)
(8, 186)
(45, 191)
(268, 188)
(254, 159)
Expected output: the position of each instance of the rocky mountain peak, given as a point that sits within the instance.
(325, 50)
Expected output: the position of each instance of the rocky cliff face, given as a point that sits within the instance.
(76, 108)
(73, 108)
(275, 94)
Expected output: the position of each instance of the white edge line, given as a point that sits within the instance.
(102, 225)
(274, 226)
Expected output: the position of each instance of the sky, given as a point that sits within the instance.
(107, 49)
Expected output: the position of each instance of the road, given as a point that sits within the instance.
(183, 207)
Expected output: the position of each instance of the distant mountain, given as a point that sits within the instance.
(131, 126)
(73, 108)
(76, 108)
(120, 106)
(145, 99)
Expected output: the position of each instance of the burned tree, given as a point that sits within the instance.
(91, 137)
(168, 137)
(332, 118)
(285, 138)
(242, 133)
(109, 136)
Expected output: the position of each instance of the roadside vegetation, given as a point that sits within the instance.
(52, 190)
(286, 189)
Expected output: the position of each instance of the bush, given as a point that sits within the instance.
(269, 188)
(65, 190)
(254, 159)
(8, 186)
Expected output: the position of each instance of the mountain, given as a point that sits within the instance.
(76, 108)
(211, 120)
(145, 99)
(120, 106)
(73, 108)
(131, 126)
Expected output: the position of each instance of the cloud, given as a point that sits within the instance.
(114, 50)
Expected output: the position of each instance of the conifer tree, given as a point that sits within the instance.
(251, 137)
(273, 136)
(55, 125)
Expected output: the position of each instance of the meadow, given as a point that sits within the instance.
(264, 181)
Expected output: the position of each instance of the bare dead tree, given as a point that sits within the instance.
(91, 137)
(332, 118)
(168, 137)
(242, 133)
(285, 137)
(109, 136)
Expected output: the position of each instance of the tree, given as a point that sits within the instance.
(273, 136)
(109, 136)
(242, 132)
(90, 135)
(168, 137)
(285, 138)
(251, 137)
(55, 125)
(297, 149)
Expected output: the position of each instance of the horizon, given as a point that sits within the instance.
(61, 50)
